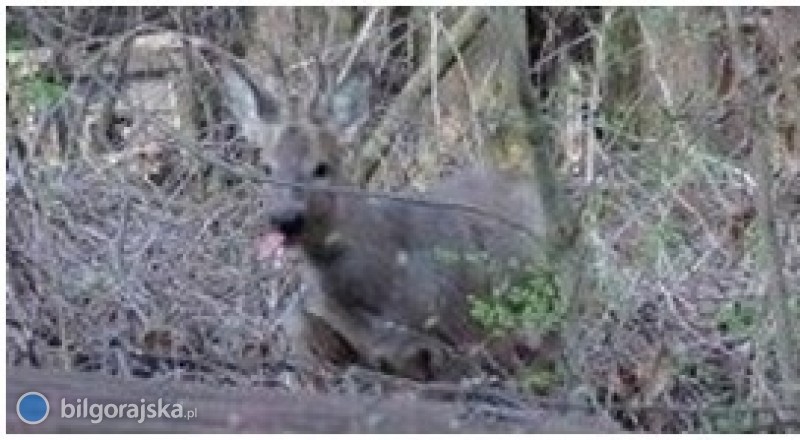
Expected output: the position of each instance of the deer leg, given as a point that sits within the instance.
(381, 344)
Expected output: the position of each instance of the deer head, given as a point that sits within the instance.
(299, 142)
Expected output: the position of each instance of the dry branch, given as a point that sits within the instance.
(229, 410)
(463, 33)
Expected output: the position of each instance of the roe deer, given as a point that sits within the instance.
(391, 280)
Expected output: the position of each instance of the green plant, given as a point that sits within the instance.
(15, 37)
(40, 90)
(542, 376)
(531, 301)
(737, 318)
(37, 88)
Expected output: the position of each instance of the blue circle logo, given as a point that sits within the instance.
(33, 408)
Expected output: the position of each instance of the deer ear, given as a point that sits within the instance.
(349, 103)
(249, 104)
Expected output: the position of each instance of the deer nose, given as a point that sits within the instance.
(289, 223)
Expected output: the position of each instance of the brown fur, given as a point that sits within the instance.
(389, 280)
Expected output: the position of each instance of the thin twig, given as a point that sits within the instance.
(362, 38)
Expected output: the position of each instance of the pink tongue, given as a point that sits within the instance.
(270, 246)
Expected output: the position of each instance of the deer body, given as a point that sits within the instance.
(390, 280)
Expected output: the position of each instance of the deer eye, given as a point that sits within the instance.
(322, 170)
